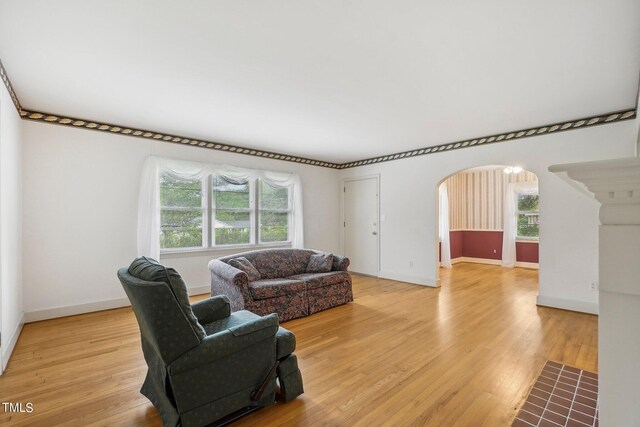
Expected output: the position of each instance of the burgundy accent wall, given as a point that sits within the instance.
(455, 241)
(527, 252)
(481, 244)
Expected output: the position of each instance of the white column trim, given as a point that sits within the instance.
(616, 185)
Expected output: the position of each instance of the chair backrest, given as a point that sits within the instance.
(164, 328)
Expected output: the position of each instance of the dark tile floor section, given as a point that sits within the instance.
(561, 396)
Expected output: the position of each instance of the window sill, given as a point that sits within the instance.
(527, 240)
(220, 251)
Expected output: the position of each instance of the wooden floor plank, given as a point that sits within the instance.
(463, 354)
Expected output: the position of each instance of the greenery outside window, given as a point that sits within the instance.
(528, 215)
(233, 214)
(274, 213)
(182, 213)
(218, 212)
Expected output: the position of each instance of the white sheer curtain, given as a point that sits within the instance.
(510, 220)
(445, 245)
(509, 227)
(149, 196)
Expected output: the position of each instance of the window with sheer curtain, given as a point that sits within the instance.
(182, 213)
(250, 212)
(528, 215)
(520, 218)
(233, 215)
(187, 206)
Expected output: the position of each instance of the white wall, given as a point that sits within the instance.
(80, 213)
(10, 224)
(81, 189)
(568, 231)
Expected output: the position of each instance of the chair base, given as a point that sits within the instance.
(290, 379)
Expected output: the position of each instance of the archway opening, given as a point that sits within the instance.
(492, 213)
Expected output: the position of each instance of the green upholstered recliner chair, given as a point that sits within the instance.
(206, 364)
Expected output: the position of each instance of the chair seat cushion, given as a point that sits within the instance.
(319, 280)
(271, 288)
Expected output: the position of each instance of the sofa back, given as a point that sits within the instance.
(276, 263)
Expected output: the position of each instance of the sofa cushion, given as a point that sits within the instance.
(318, 280)
(241, 263)
(150, 270)
(271, 288)
(320, 263)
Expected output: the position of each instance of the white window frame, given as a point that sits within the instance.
(208, 221)
(213, 209)
(288, 211)
(527, 189)
(202, 208)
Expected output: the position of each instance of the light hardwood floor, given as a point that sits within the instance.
(464, 354)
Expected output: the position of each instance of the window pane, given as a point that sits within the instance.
(231, 219)
(274, 227)
(229, 195)
(527, 202)
(273, 198)
(232, 228)
(180, 229)
(232, 236)
(528, 224)
(179, 193)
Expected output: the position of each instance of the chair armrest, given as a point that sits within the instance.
(340, 263)
(211, 309)
(226, 342)
(285, 343)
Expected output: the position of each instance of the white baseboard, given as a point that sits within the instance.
(11, 344)
(568, 304)
(493, 262)
(533, 265)
(71, 310)
(199, 290)
(477, 260)
(416, 280)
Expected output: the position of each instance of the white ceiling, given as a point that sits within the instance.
(331, 80)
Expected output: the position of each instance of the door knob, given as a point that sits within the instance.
(374, 233)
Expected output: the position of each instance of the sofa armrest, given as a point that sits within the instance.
(212, 309)
(226, 342)
(340, 263)
(230, 281)
(228, 273)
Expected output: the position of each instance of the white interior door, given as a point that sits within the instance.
(361, 225)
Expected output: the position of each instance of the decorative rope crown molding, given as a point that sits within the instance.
(601, 119)
(166, 137)
(7, 83)
(62, 120)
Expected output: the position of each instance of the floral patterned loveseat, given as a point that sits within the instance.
(287, 281)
